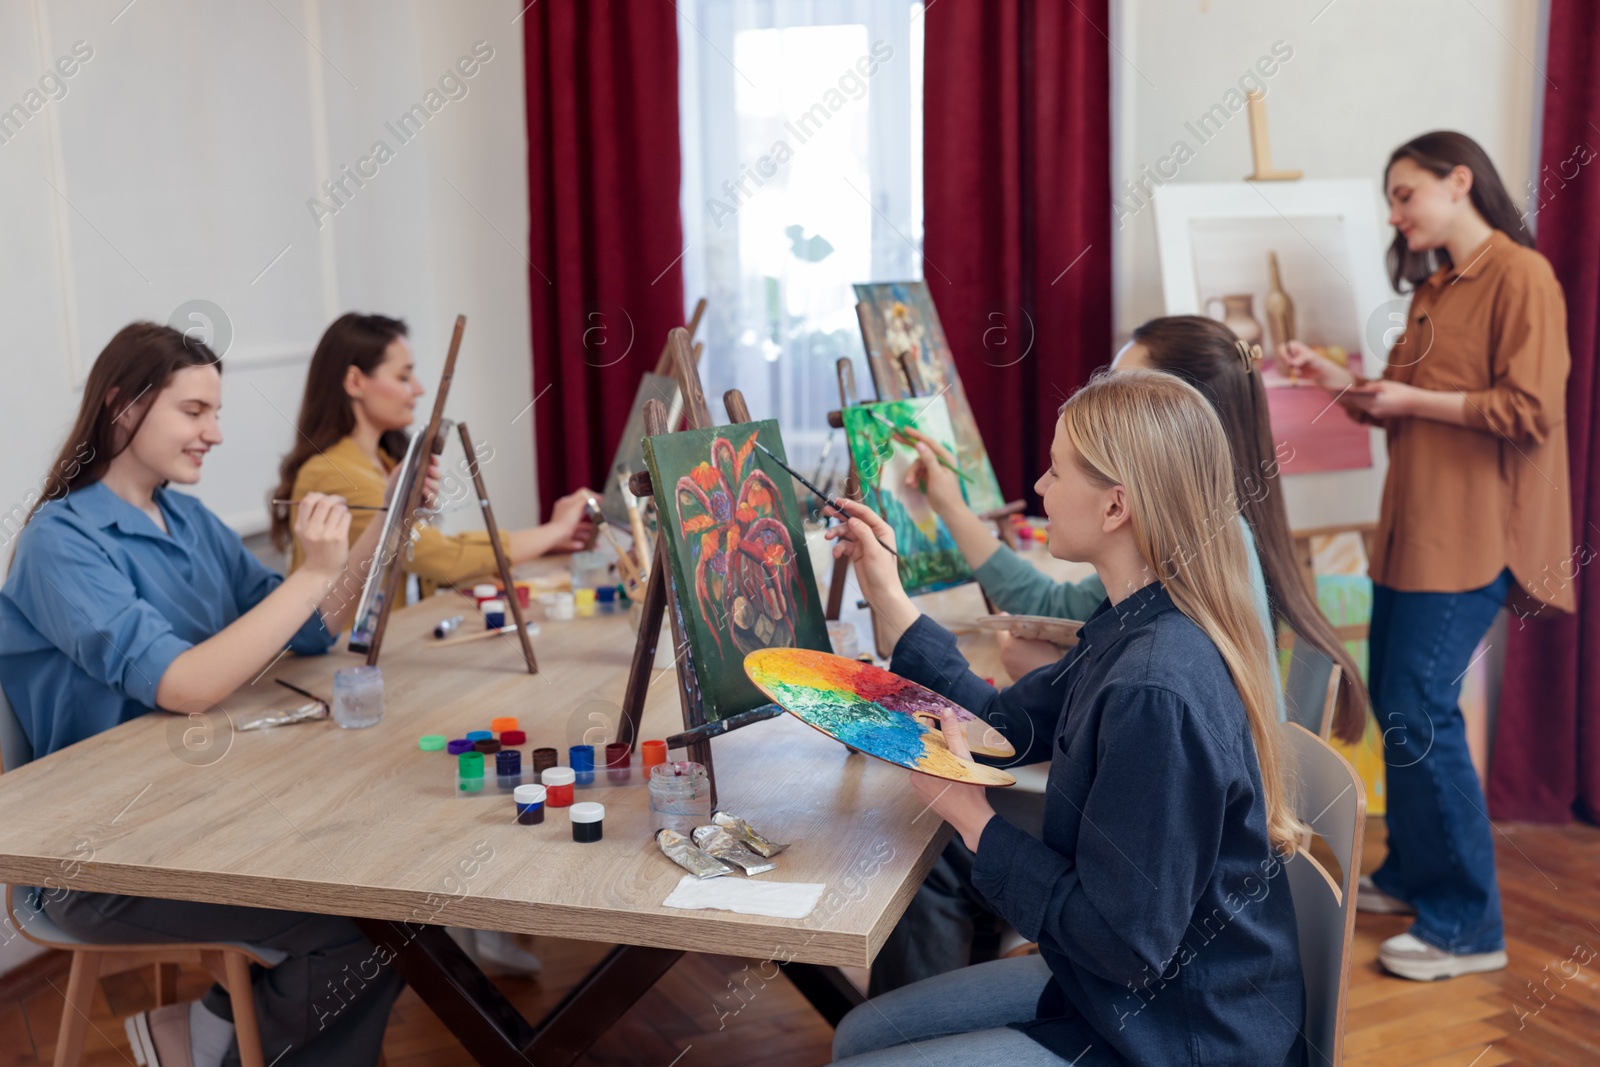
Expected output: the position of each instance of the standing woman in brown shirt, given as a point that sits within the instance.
(1475, 513)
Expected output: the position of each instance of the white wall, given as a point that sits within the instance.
(184, 152)
(182, 157)
(1365, 76)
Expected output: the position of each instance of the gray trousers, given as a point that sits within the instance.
(936, 933)
(326, 1005)
(954, 1020)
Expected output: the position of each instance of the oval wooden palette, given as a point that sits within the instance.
(876, 712)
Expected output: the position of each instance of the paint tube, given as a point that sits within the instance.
(744, 833)
(716, 841)
(682, 851)
(316, 709)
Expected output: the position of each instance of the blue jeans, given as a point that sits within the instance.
(957, 1019)
(1441, 846)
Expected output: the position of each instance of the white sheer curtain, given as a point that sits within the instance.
(802, 174)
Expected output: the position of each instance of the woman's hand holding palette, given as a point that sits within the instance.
(877, 712)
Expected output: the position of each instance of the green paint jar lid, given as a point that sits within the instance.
(431, 742)
(471, 765)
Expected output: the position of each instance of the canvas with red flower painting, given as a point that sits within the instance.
(739, 562)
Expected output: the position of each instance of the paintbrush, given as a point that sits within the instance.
(635, 522)
(302, 692)
(900, 432)
(834, 504)
(352, 507)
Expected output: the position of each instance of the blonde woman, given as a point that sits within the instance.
(1165, 928)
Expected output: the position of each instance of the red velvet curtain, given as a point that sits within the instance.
(605, 236)
(1546, 757)
(1017, 192)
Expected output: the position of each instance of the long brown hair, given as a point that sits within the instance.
(127, 376)
(1204, 353)
(1156, 436)
(1439, 153)
(326, 414)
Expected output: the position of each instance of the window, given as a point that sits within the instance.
(802, 174)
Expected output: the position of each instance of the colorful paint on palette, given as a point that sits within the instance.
(869, 709)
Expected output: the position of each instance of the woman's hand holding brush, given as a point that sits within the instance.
(868, 542)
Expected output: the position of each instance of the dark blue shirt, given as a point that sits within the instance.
(99, 602)
(1155, 896)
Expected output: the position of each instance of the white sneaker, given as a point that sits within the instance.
(1419, 961)
(1371, 899)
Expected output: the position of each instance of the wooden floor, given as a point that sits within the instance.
(710, 1011)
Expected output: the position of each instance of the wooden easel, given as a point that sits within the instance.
(661, 596)
(395, 579)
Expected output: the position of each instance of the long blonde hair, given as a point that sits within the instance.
(1158, 438)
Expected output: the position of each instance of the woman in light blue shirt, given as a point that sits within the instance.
(125, 596)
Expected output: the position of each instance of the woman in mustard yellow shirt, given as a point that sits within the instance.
(360, 396)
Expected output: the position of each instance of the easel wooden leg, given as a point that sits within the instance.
(501, 560)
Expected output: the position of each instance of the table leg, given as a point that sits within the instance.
(488, 1025)
(825, 988)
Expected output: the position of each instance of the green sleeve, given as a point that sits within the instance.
(1018, 587)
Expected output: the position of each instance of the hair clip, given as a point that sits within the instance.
(1249, 355)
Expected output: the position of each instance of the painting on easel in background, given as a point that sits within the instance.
(737, 552)
(905, 322)
(630, 453)
(929, 558)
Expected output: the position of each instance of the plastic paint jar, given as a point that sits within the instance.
(357, 697)
(583, 601)
(503, 723)
(543, 759)
(508, 769)
(529, 800)
(558, 607)
(484, 591)
(619, 760)
(512, 738)
(478, 735)
(605, 599)
(460, 745)
(581, 759)
(558, 783)
(680, 797)
(588, 822)
(652, 753)
(469, 773)
(431, 742)
(488, 746)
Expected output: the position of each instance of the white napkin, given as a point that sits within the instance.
(781, 900)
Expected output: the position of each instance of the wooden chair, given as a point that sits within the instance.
(228, 962)
(1329, 797)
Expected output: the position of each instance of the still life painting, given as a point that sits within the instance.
(929, 558)
(876, 712)
(737, 551)
(904, 323)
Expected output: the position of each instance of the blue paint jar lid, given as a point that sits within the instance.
(479, 735)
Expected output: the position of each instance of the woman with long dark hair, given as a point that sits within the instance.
(1475, 511)
(361, 393)
(126, 596)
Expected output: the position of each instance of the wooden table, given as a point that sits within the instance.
(362, 823)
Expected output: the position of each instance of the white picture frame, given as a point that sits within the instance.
(1338, 219)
